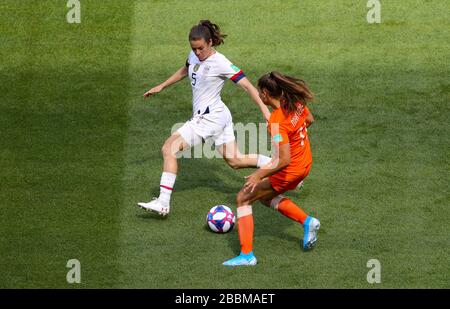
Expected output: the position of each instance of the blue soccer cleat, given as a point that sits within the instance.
(242, 259)
(311, 226)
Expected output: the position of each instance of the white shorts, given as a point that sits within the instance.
(215, 126)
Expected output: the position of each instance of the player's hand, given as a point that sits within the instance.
(153, 91)
(251, 182)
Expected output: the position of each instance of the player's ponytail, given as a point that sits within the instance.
(208, 31)
(289, 90)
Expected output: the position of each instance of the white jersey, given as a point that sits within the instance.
(207, 79)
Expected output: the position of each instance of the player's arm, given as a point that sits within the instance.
(281, 159)
(177, 76)
(253, 93)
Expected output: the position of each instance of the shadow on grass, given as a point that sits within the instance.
(146, 215)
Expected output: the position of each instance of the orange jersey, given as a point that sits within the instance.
(292, 129)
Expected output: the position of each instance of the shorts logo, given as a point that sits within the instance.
(277, 138)
(196, 67)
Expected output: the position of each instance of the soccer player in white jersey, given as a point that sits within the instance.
(207, 70)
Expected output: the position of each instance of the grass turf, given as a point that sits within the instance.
(80, 146)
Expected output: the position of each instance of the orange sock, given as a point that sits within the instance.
(290, 210)
(245, 228)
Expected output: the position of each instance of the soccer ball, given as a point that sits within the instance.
(220, 219)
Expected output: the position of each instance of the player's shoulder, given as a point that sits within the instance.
(284, 120)
(192, 58)
(220, 58)
(305, 111)
(277, 116)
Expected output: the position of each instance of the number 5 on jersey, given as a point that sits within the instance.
(194, 80)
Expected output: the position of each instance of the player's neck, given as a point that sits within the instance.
(275, 104)
(213, 51)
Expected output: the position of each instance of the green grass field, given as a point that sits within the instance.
(79, 146)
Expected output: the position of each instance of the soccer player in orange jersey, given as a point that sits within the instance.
(290, 164)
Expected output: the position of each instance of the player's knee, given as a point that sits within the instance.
(241, 199)
(166, 149)
(233, 163)
(265, 202)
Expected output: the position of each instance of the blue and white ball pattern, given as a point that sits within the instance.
(220, 219)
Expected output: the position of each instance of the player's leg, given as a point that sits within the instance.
(235, 159)
(175, 143)
(245, 222)
(287, 208)
(291, 210)
(226, 145)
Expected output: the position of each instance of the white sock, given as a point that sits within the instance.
(166, 187)
(262, 160)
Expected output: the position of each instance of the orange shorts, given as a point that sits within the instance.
(282, 181)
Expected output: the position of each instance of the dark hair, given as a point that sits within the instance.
(208, 31)
(289, 90)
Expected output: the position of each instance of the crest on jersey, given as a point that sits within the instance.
(196, 67)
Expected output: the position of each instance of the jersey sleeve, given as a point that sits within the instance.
(279, 132)
(229, 70)
(190, 58)
(306, 112)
